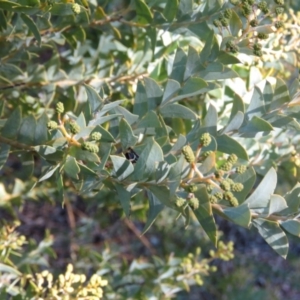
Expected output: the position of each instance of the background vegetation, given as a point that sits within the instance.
(141, 140)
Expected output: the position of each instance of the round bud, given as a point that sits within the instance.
(228, 195)
(278, 24)
(251, 2)
(52, 125)
(205, 139)
(246, 9)
(207, 153)
(188, 154)
(230, 46)
(74, 128)
(253, 23)
(219, 195)
(233, 201)
(224, 21)
(279, 10)
(180, 202)
(227, 166)
(241, 169)
(96, 136)
(265, 11)
(209, 188)
(258, 53)
(261, 5)
(93, 148)
(262, 36)
(228, 13)
(257, 46)
(237, 187)
(217, 23)
(213, 199)
(60, 108)
(194, 203)
(219, 174)
(225, 185)
(232, 158)
(192, 188)
(279, 2)
(76, 8)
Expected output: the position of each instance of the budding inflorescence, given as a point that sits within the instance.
(74, 128)
(91, 147)
(194, 203)
(205, 139)
(232, 47)
(52, 125)
(96, 136)
(188, 154)
(60, 108)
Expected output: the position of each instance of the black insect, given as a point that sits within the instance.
(131, 155)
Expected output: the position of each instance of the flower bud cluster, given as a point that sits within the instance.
(74, 128)
(188, 154)
(69, 285)
(52, 125)
(91, 147)
(205, 139)
(224, 251)
(60, 108)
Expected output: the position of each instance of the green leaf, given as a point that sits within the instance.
(192, 63)
(4, 152)
(292, 199)
(216, 71)
(174, 176)
(122, 167)
(27, 130)
(240, 215)
(84, 155)
(62, 9)
(155, 207)
(226, 58)
(254, 126)
(235, 123)
(27, 161)
(179, 66)
(281, 95)
(128, 139)
(60, 186)
(71, 167)
(177, 110)
(206, 50)
(204, 214)
(291, 226)
(192, 87)
(273, 235)
(235, 24)
(124, 197)
(277, 204)
(208, 164)
(153, 92)
(201, 30)
(260, 198)
(257, 105)
(170, 9)
(7, 269)
(48, 173)
(162, 193)
(93, 98)
(171, 89)
(140, 106)
(162, 171)
(12, 125)
(32, 27)
(144, 15)
(229, 145)
(41, 132)
(149, 158)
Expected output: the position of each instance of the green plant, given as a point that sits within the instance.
(178, 103)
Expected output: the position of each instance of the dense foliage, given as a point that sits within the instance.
(152, 106)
